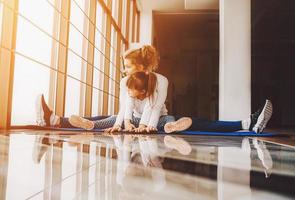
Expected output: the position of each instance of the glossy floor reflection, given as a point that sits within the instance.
(51, 165)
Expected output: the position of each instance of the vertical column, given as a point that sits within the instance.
(54, 55)
(107, 61)
(146, 24)
(235, 59)
(8, 42)
(62, 58)
(133, 20)
(127, 23)
(138, 27)
(118, 57)
(90, 58)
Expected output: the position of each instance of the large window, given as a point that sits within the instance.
(70, 51)
(33, 64)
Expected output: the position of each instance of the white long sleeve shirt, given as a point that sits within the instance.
(149, 110)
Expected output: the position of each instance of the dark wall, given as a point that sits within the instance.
(189, 51)
(273, 58)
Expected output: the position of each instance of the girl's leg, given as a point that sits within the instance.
(164, 120)
(64, 121)
(135, 121)
(106, 122)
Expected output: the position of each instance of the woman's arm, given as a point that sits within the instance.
(158, 102)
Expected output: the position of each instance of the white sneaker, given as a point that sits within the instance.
(81, 122)
(179, 125)
(263, 117)
(44, 115)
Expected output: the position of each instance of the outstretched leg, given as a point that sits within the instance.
(46, 117)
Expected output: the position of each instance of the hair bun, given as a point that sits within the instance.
(150, 56)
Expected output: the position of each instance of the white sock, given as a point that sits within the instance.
(246, 124)
(53, 119)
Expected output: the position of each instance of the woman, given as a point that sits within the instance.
(144, 59)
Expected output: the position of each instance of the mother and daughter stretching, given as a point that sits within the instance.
(142, 105)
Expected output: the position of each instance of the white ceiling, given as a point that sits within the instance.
(179, 5)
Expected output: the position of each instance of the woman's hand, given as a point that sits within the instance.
(115, 128)
(141, 128)
(150, 129)
(129, 127)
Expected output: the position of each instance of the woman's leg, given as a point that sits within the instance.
(256, 122)
(215, 126)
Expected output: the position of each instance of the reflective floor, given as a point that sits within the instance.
(57, 165)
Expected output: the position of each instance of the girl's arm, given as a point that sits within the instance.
(122, 98)
(130, 102)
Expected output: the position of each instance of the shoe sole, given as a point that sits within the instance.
(264, 117)
(39, 111)
(79, 122)
(179, 125)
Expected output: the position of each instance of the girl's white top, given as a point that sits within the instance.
(149, 110)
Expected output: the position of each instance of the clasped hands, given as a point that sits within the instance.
(129, 127)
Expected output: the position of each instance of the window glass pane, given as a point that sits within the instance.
(99, 60)
(25, 32)
(112, 70)
(23, 102)
(33, 60)
(97, 92)
(72, 97)
(77, 58)
(39, 12)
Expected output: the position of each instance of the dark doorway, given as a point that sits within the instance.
(189, 49)
(273, 58)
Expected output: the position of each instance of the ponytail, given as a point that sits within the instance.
(152, 82)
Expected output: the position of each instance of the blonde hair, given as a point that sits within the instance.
(147, 56)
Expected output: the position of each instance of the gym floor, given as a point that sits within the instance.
(74, 165)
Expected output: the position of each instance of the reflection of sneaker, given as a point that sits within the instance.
(260, 118)
(246, 145)
(264, 156)
(177, 143)
(40, 147)
(179, 125)
(44, 115)
(81, 122)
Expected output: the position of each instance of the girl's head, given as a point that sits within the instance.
(145, 58)
(141, 84)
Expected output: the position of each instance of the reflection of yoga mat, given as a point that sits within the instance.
(243, 133)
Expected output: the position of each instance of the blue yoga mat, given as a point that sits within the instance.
(242, 133)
